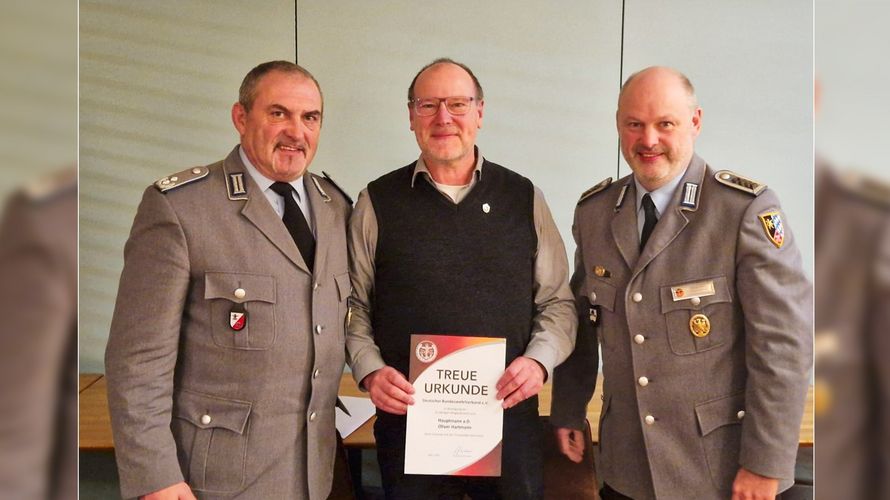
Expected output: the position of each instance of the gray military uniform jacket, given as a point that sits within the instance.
(681, 413)
(249, 413)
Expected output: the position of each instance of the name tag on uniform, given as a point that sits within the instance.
(693, 290)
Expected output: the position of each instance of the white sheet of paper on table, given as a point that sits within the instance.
(361, 410)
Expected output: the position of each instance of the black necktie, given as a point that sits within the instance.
(651, 219)
(296, 223)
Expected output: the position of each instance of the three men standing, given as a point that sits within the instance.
(454, 244)
(227, 342)
(691, 282)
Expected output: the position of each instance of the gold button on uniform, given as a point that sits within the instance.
(639, 339)
(637, 297)
(240, 293)
(205, 419)
(649, 419)
(315, 373)
(643, 381)
(740, 414)
(312, 417)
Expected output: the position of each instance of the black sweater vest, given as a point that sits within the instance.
(464, 269)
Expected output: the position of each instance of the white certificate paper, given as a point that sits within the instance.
(455, 425)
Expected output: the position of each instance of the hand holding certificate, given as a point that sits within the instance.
(455, 425)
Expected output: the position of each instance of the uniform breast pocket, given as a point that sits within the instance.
(344, 290)
(698, 314)
(211, 435)
(242, 309)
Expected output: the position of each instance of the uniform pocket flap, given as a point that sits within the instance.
(600, 293)
(239, 287)
(207, 411)
(720, 294)
(716, 413)
(344, 286)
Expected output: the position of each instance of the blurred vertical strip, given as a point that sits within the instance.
(38, 249)
(852, 214)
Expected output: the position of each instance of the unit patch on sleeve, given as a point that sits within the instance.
(775, 230)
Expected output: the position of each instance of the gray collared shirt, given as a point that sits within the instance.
(555, 321)
(275, 199)
(660, 197)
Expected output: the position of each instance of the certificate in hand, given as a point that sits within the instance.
(455, 425)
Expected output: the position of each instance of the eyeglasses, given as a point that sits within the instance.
(456, 105)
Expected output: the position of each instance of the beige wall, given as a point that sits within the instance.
(158, 78)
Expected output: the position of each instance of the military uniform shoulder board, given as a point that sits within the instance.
(50, 185)
(742, 183)
(328, 178)
(866, 187)
(595, 189)
(169, 182)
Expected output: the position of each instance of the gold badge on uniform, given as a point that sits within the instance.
(601, 271)
(700, 325)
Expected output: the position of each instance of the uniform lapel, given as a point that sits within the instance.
(624, 225)
(675, 218)
(322, 215)
(260, 213)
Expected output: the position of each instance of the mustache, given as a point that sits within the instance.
(301, 145)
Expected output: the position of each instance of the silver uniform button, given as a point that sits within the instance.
(318, 329)
(637, 297)
(315, 373)
(196, 170)
(643, 381)
(649, 419)
(315, 286)
(639, 339)
(240, 293)
(695, 301)
(740, 414)
(725, 177)
(205, 419)
(312, 417)
(592, 296)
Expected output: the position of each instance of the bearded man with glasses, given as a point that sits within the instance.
(457, 245)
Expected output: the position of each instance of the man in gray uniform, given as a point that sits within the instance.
(691, 282)
(227, 342)
(454, 244)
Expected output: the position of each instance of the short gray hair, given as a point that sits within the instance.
(684, 80)
(447, 60)
(247, 92)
